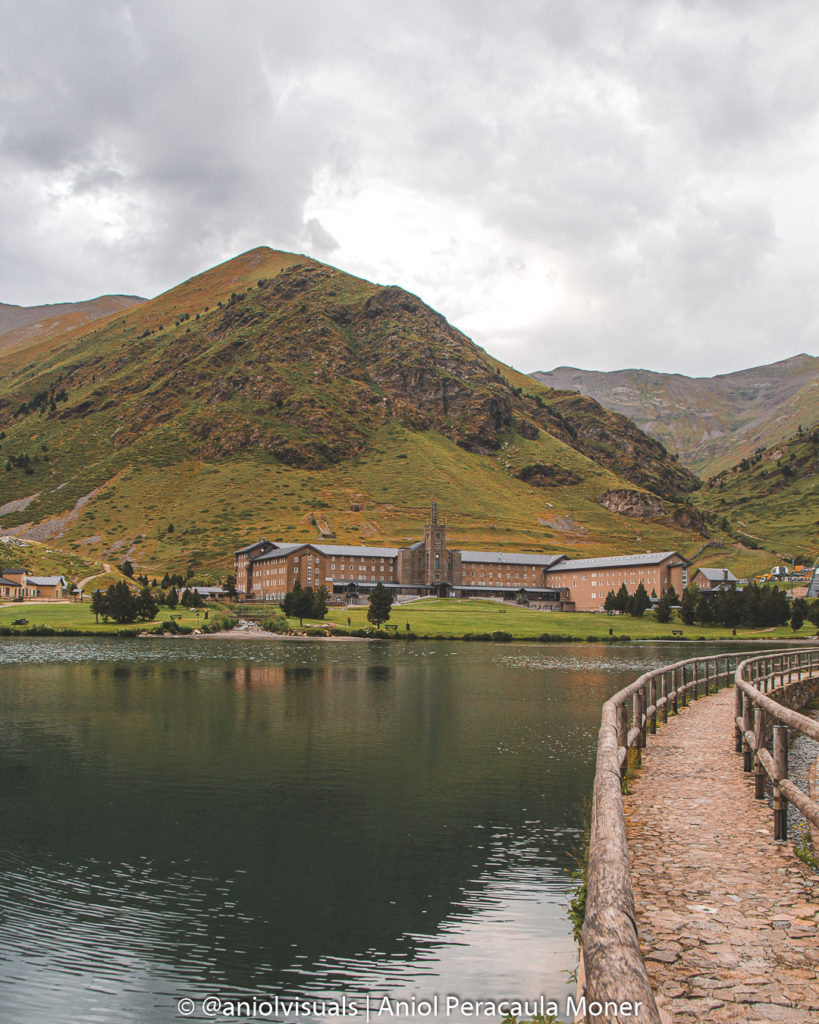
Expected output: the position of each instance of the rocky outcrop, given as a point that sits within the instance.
(541, 474)
(636, 504)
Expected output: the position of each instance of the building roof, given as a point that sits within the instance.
(330, 550)
(8, 583)
(510, 558)
(813, 587)
(205, 591)
(344, 550)
(718, 575)
(618, 561)
(250, 547)
(46, 581)
(506, 590)
(279, 551)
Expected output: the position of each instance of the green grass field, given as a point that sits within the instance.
(79, 616)
(444, 618)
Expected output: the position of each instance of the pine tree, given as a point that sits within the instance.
(380, 605)
(640, 602)
(662, 613)
(688, 605)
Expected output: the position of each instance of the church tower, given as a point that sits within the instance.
(436, 562)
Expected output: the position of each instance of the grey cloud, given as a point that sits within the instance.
(645, 149)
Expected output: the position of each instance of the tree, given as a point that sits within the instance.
(146, 605)
(126, 568)
(321, 598)
(813, 613)
(299, 603)
(662, 613)
(380, 605)
(611, 603)
(122, 605)
(797, 618)
(173, 598)
(230, 587)
(688, 605)
(705, 610)
(623, 599)
(303, 604)
(99, 605)
(640, 602)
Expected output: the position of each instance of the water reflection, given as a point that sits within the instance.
(183, 818)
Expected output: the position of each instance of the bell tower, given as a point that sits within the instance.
(436, 562)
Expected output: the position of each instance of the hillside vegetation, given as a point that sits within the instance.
(769, 496)
(274, 394)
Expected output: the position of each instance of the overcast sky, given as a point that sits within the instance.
(599, 183)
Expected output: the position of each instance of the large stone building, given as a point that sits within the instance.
(590, 579)
(267, 571)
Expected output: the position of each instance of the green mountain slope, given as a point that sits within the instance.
(770, 498)
(708, 422)
(273, 392)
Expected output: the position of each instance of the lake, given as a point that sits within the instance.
(232, 819)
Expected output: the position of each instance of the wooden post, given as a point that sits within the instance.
(747, 726)
(674, 707)
(780, 757)
(684, 693)
(664, 693)
(622, 734)
(637, 713)
(652, 701)
(759, 771)
(695, 692)
(643, 710)
(737, 714)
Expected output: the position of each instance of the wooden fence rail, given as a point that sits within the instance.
(613, 974)
(758, 715)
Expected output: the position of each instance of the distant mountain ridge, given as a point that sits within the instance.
(710, 423)
(20, 325)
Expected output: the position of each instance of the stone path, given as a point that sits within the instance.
(728, 918)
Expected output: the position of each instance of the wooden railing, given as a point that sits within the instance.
(613, 974)
(756, 713)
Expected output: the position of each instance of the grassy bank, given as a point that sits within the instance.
(451, 618)
(78, 618)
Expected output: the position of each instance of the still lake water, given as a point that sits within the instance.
(250, 818)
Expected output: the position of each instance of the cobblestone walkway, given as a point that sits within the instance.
(728, 918)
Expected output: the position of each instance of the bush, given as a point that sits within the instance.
(277, 625)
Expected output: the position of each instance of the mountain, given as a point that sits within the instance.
(710, 423)
(21, 325)
(275, 394)
(770, 495)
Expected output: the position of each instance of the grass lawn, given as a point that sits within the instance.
(79, 616)
(435, 617)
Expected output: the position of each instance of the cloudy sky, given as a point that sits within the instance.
(599, 183)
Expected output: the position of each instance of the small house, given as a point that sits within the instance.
(714, 579)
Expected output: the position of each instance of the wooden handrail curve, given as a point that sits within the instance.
(613, 971)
